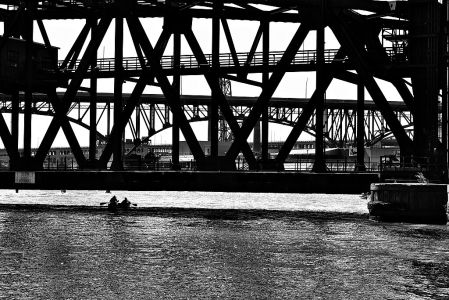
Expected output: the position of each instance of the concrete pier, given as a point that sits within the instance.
(409, 202)
(256, 182)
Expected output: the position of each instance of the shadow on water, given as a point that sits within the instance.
(58, 252)
(176, 212)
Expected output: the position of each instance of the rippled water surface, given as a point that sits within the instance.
(275, 246)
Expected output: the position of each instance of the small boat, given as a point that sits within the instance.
(115, 205)
(118, 206)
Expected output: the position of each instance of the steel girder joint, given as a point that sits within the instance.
(177, 23)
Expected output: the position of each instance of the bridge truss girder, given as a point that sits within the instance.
(358, 35)
(340, 121)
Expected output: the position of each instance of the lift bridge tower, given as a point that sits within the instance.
(403, 43)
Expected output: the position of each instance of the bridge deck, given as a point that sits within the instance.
(280, 182)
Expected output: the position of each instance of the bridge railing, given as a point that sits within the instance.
(394, 56)
(390, 163)
(332, 165)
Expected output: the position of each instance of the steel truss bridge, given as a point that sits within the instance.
(154, 113)
(401, 42)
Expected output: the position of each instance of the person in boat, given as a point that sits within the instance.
(113, 203)
(125, 203)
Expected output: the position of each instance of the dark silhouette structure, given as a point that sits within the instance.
(417, 51)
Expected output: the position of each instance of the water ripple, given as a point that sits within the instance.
(262, 246)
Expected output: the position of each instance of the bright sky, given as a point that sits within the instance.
(63, 33)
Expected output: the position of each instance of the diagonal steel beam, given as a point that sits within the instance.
(368, 35)
(162, 42)
(159, 48)
(228, 35)
(7, 139)
(346, 76)
(132, 102)
(403, 90)
(374, 43)
(254, 45)
(44, 34)
(398, 83)
(342, 33)
(73, 88)
(79, 42)
(224, 105)
(138, 33)
(268, 90)
(67, 128)
(304, 118)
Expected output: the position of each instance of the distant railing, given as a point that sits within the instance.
(388, 163)
(156, 165)
(391, 163)
(299, 164)
(67, 164)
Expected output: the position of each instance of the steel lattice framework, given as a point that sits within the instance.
(392, 41)
(153, 111)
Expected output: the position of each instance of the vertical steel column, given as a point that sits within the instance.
(345, 117)
(167, 115)
(444, 84)
(93, 97)
(108, 119)
(319, 164)
(423, 45)
(360, 127)
(117, 163)
(15, 120)
(152, 116)
(28, 80)
(265, 77)
(138, 110)
(256, 137)
(176, 90)
(217, 6)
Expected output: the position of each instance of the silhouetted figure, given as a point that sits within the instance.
(113, 203)
(125, 203)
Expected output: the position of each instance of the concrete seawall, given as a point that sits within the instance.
(279, 182)
(409, 202)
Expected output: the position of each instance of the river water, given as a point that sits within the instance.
(198, 245)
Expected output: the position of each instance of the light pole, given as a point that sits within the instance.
(306, 85)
